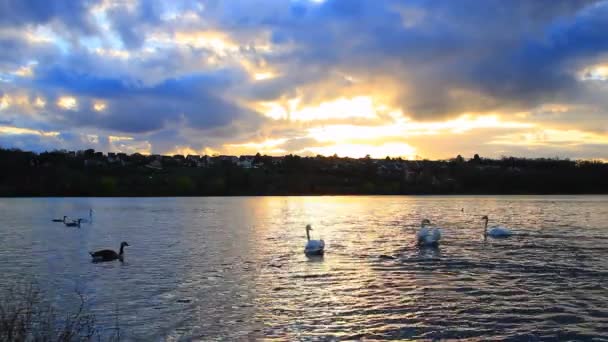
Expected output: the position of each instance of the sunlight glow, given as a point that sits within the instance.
(274, 110)
(260, 76)
(545, 137)
(595, 73)
(10, 130)
(345, 133)
(67, 103)
(5, 101)
(183, 150)
(113, 138)
(361, 150)
(405, 127)
(269, 146)
(341, 108)
(99, 106)
(39, 102)
(8, 100)
(24, 71)
(129, 145)
(218, 42)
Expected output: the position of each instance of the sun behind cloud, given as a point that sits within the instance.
(308, 77)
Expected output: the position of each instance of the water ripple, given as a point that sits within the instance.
(233, 268)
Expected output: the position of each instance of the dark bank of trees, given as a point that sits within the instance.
(93, 174)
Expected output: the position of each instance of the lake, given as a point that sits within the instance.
(233, 268)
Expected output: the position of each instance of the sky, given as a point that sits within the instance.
(412, 79)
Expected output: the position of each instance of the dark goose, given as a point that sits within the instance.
(108, 254)
(60, 220)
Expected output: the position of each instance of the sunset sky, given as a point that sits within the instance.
(416, 79)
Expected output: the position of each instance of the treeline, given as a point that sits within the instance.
(94, 174)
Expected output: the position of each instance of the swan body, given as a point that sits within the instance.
(108, 254)
(60, 220)
(73, 223)
(313, 247)
(496, 231)
(428, 236)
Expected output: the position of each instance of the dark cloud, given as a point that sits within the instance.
(434, 59)
(543, 69)
(194, 100)
(131, 24)
(73, 14)
(17, 52)
(497, 54)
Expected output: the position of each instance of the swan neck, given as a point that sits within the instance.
(485, 227)
(308, 234)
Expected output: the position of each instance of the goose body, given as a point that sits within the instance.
(495, 231)
(60, 220)
(428, 236)
(108, 254)
(313, 247)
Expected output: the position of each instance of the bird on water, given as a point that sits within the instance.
(108, 254)
(75, 223)
(313, 247)
(495, 231)
(60, 220)
(428, 237)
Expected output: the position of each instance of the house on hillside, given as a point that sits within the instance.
(245, 163)
(230, 159)
(155, 165)
(276, 160)
(193, 160)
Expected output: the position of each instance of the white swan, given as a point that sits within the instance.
(496, 231)
(428, 236)
(313, 247)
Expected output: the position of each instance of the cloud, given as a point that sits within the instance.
(451, 59)
(73, 14)
(129, 106)
(183, 74)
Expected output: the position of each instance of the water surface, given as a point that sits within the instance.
(233, 268)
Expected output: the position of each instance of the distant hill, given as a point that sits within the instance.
(90, 173)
